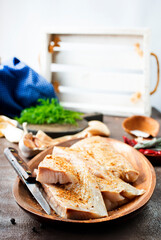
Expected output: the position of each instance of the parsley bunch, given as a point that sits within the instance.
(48, 111)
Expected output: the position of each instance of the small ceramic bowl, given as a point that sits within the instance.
(141, 123)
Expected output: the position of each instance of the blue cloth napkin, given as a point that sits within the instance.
(20, 87)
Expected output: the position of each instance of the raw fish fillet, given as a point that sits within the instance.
(54, 170)
(114, 190)
(77, 200)
(107, 157)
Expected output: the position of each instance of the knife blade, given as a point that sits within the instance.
(24, 172)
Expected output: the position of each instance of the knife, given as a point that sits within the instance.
(25, 174)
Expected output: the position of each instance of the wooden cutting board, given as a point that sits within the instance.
(58, 130)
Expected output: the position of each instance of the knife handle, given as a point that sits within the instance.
(19, 164)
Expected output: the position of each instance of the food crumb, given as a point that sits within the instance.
(42, 226)
(34, 230)
(13, 221)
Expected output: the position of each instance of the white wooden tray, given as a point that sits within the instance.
(99, 70)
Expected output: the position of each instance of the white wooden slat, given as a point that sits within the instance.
(146, 72)
(72, 46)
(102, 99)
(45, 58)
(95, 31)
(78, 68)
(112, 39)
(129, 60)
(108, 109)
(101, 81)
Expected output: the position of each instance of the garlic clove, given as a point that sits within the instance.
(8, 120)
(31, 145)
(44, 138)
(38, 143)
(94, 128)
(99, 128)
(28, 141)
(11, 133)
(26, 151)
(7, 125)
(3, 125)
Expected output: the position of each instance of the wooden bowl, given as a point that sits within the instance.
(142, 123)
(146, 181)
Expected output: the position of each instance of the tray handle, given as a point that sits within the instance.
(158, 73)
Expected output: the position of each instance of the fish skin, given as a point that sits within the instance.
(101, 150)
(77, 200)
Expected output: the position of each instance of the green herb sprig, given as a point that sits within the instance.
(155, 143)
(48, 111)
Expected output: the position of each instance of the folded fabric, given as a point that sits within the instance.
(21, 87)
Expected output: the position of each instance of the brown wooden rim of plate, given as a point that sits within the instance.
(146, 180)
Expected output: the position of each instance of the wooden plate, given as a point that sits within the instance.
(146, 180)
(154, 159)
